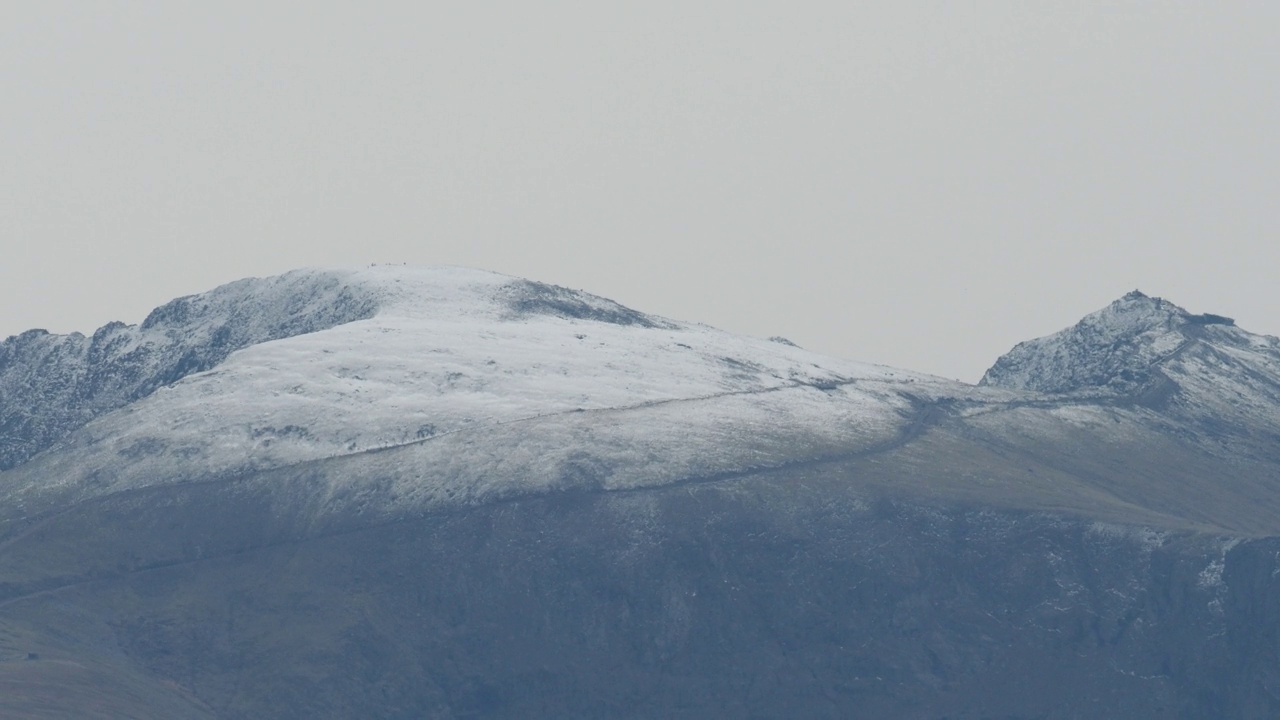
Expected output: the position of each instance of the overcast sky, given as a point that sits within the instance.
(918, 184)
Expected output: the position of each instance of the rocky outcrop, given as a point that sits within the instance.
(1117, 349)
(1210, 382)
(52, 384)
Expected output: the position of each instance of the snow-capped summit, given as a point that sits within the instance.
(80, 378)
(1118, 349)
(1200, 377)
(428, 387)
(312, 299)
(319, 364)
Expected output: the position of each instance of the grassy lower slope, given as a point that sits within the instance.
(54, 673)
(775, 595)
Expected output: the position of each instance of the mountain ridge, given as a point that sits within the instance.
(481, 496)
(451, 350)
(82, 377)
(1112, 349)
(389, 356)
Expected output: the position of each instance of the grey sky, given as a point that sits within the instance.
(920, 184)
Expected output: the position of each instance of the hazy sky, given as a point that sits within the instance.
(919, 184)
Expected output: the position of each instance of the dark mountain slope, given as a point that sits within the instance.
(740, 598)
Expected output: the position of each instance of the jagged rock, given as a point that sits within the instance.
(51, 385)
(1120, 348)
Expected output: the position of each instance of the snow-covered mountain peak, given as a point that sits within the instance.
(1198, 377)
(52, 384)
(1132, 315)
(318, 364)
(1118, 349)
(436, 292)
(431, 386)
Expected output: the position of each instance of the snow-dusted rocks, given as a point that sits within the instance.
(1209, 381)
(53, 384)
(419, 388)
(1116, 349)
(338, 362)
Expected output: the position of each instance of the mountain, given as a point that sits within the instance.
(1201, 370)
(445, 493)
(54, 384)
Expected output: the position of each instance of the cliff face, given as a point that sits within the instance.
(451, 494)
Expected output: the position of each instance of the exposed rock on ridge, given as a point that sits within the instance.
(1199, 377)
(52, 384)
(1116, 349)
